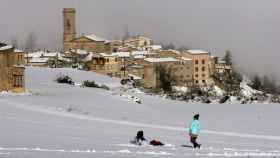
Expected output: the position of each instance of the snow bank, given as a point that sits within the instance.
(218, 91)
(246, 90)
(10, 93)
(180, 89)
(78, 76)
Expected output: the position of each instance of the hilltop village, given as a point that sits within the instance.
(134, 59)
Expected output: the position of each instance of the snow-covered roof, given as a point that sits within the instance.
(185, 58)
(96, 38)
(155, 47)
(34, 54)
(134, 53)
(157, 60)
(81, 52)
(50, 54)
(38, 60)
(122, 54)
(6, 47)
(139, 57)
(107, 55)
(18, 51)
(197, 52)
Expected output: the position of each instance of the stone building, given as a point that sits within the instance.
(183, 72)
(201, 66)
(222, 70)
(11, 69)
(151, 76)
(138, 41)
(107, 64)
(90, 43)
(180, 71)
(136, 71)
(169, 53)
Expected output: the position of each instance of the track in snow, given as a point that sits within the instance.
(134, 124)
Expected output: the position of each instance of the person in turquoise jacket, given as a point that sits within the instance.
(194, 131)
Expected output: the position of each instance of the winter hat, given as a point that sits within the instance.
(196, 116)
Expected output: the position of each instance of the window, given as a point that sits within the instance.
(196, 62)
(196, 75)
(203, 61)
(203, 81)
(68, 24)
(203, 75)
(108, 60)
(203, 68)
(196, 69)
(18, 81)
(196, 81)
(145, 43)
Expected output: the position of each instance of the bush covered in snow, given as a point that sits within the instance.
(92, 84)
(65, 79)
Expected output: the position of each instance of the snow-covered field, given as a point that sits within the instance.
(56, 120)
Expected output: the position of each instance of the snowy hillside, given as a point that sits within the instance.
(57, 120)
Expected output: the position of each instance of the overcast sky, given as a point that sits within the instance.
(249, 28)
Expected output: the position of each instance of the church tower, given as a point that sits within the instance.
(69, 27)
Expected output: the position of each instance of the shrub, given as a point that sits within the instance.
(65, 79)
(164, 78)
(90, 84)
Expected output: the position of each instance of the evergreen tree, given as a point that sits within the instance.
(228, 57)
(165, 78)
(278, 89)
(269, 85)
(257, 84)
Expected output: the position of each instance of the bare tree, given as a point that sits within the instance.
(14, 41)
(183, 48)
(30, 42)
(126, 34)
(168, 46)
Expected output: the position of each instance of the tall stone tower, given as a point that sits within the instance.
(69, 27)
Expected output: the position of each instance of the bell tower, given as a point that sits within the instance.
(69, 27)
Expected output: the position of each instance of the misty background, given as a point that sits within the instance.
(250, 29)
